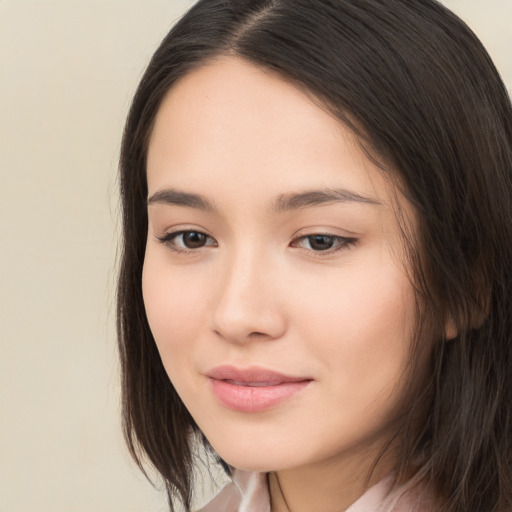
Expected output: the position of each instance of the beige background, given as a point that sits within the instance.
(67, 72)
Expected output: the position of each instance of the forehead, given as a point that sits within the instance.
(232, 122)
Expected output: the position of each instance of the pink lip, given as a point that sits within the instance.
(253, 389)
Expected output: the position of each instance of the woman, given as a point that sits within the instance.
(316, 277)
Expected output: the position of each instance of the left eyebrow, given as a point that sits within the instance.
(310, 198)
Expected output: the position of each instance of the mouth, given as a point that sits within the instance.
(250, 384)
(253, 389)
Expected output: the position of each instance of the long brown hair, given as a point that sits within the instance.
(423, 96)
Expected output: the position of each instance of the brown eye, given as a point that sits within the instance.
(187, 241)
(194, 239)
(321, 242)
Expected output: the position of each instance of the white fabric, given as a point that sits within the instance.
(248, 492)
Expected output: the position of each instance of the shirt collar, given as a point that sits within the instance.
(248, 492)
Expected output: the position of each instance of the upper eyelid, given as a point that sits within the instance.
(346, 242)
(167, 239)
(178, 232)
(173, 234)
(320, 233)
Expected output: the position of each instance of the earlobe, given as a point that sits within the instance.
(450, 330)
(477, 319)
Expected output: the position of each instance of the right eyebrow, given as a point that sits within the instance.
(172, 196)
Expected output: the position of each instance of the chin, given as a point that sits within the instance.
(253, 456)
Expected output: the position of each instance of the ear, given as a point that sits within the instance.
(479, 304)
(478, 317)
(450, 329)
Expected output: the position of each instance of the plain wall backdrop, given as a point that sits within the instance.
(68, 70)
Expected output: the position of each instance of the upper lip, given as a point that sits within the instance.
(252, 375)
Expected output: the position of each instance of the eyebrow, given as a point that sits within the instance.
(283, 203)
(319, 197)
(172, 196)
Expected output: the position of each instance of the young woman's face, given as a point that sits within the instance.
(273, 278)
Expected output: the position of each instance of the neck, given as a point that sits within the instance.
(331, 486)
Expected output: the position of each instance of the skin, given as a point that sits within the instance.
(256, 293)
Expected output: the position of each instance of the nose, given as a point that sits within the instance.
(249, 305)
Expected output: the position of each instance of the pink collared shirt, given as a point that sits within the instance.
(248, 492)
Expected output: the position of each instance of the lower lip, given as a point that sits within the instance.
(254, 398)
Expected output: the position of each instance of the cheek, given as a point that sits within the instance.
(175, 305)
(173, 301)
(357, 300)
(361, 328)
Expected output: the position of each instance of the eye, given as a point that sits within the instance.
(186, 240)
(326, 243)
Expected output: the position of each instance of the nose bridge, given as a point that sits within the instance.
(247, 302)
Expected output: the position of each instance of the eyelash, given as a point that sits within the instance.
(168, 239)
(343, 242)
